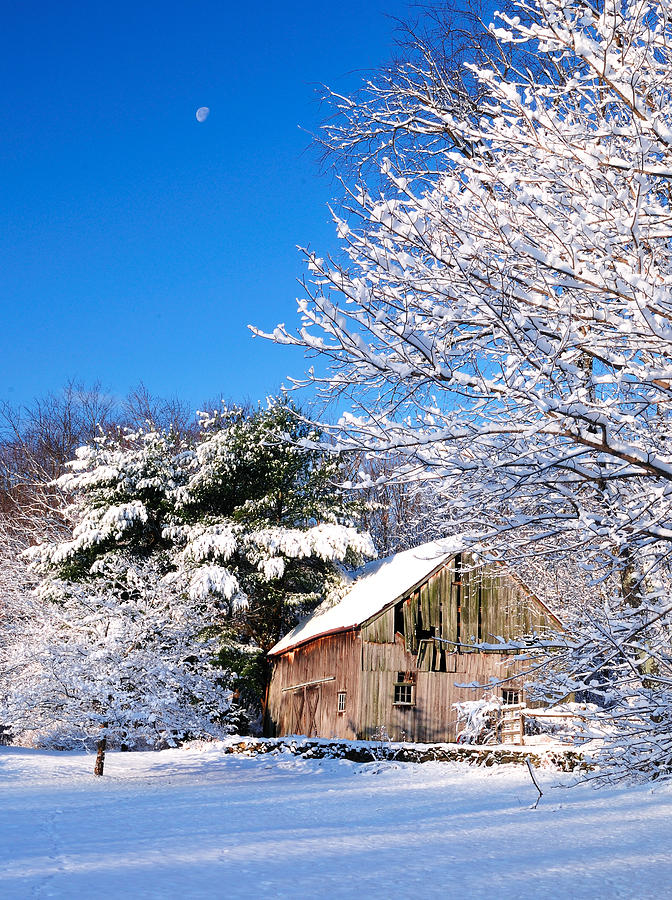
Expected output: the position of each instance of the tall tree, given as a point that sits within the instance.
(500, 316)
(262, 507)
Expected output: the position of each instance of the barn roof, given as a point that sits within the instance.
(376, 585)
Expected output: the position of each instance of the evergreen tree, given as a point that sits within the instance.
(262, 504)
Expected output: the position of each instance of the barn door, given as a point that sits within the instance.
(305, 706)
(297, 709)
(312, 703)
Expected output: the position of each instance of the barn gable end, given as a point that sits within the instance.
(459, 605)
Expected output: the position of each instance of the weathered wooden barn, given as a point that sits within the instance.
(387, 659)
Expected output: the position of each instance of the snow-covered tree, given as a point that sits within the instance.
(261, 518)
(501, 317)
(32, 510)
(180, 550)
(112, 647)
(119, 658)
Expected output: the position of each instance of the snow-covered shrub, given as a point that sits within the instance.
(573, 723)
(477, 720)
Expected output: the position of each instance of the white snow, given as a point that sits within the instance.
(377, 584)
(198, 823)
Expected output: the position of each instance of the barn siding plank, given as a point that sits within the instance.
(469, 611)
(425, 609)
(411, 622)
(448, 606)
(434, 588)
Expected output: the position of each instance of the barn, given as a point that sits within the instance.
(387, 659)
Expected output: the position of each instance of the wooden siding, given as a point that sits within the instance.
(458, 606)
(461, 605)
(429, 636)
(301, 702)
(432, 717)
(381, 629)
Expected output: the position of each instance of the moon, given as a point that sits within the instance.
(202, 113)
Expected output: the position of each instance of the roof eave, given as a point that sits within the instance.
(313, 637)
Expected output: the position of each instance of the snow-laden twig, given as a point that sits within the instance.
(530, 769)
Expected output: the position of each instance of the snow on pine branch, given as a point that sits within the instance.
(101, 526)
(329, 541)
(267, 549)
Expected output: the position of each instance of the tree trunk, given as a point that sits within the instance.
(632, 582)
(100, 757)
(268, 671)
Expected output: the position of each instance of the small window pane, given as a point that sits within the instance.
(403, 693)
(510, 697)
(341, 701)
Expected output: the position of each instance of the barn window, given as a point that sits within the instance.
(341, 701)
(404, 690)
(510, 697)
(403, 694)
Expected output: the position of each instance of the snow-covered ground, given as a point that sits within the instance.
(199, 823)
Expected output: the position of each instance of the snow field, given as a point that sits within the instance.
(199, 823)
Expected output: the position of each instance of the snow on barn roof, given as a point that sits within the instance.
(376, 585)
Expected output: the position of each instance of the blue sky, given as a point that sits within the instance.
(135, 243)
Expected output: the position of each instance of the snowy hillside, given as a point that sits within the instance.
(201, 823)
